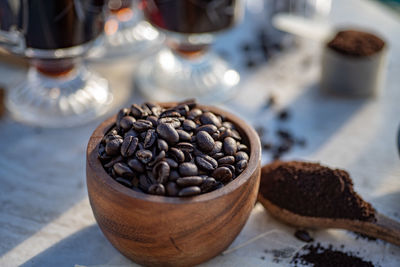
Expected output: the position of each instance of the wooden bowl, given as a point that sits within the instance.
(172, 231)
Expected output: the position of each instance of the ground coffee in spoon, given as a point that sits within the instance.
(310, 189)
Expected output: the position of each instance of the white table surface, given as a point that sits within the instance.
(45, 216)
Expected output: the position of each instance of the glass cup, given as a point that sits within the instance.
(126, 32)
(59, 90)
(187, 67)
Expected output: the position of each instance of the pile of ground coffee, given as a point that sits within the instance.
(319, 256)
(356, 43)
(310, 189)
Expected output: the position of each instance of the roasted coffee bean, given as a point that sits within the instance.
(193, 139)
(142, 125)
(189, 191)
(137, 111)
(144, 182)
(121, 169)
(191, 103)
(227, 160)
(222, 174)
(204, 141)
(144, 155)
(162, 144)
(185, 146)
(122, 113)
(217, 148)
(150, 138)
(136, 165)
(113, 161)
(189, 125)
(172, 189)
(170, 113)
(182, 109)
(177, 155)
(206, 162)
(216, 135)
(241, 155)
(113, 147)
(161, 172)
(235, 134)
(218, 155)
(210, 118)
(241, 165)
(188, 169)
(158, 158)
(230, 167)
(184, 136)
(172, 163)
(229, 146)
(189, 181)
(157, 189)
(209, 128)
(242, 147)
(194, 113)
(168, 133)
(131, 132)
(124, 181)
(127, 122)
(208, 185)
(129, 146)
(303, 236)
(153, 120)
(228, 125)
(188, 156)
(175, 122)
(173, 175)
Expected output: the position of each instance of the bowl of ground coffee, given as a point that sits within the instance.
(353, 64)
(172, 184)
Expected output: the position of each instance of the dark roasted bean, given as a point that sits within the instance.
(209, 128)
(188, 169)
(127, 122)
(235, 134)
(227, 160)
(194, 113)
(182, 109)
(124, 181)
(204, 141)
(129, 146)
(230, 146)
(136, 165)
(171, 113)
(217, 148)
(144, 155)
(222, 174)
(113, 161)
(173, 175)
(241, 165)
(162, 144)
(230, 167)
(157, 189)
(210, 118)
(157, 159)
(175, 122)
(189, 125)
(131, 132)
(137, 111)
(242, 147)
(177, 154)
(172, 163)
(150, 138)
(191, 103)
(185, 146)
(218, 155)
(113, 147)
(189, 191)
(122, 113)
(142, 125)
(208, 185)
(172, 189)
(206, 162)
(303, 235)
(121, 169)
(153, 120)
(144, 182)
(189, 181)
(184, 136)
(228, 125)
(241, 155)
(161, 172)
(168, 133)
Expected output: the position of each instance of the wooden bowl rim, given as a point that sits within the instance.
(107, 180)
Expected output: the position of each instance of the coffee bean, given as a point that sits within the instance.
(194, 113)
(241, 155)
(137, 111)
(168, 133)
(175, 122)
(172, 163)
(142, 125)
(218, 155)
(185, 146)
(150, 138)
(217, 148)
(121, 169)
(222, 174)
(131, 132)
(144, 155)
(158, 158)
(113, 147)
(124, 181)
(210, 118)
(173, 175)
(127, 122)
(162, 144)
(209, 128)
(230, 146)
(189, 181)
(177, 155)
(188, 169)
(242, 147)
(228, 125)
(128, 146)
(227, 160)
(172, 189)
(204, 141)
(184, 136)
(161, 172)
(182, 109)
(122, 113)
(189, 125)
(241, 165)
(303, 236)
(189, 191)
(113, 161)
(144, 182)
(208, 184)
(136, 165)
(157, 189)
(170, 113)
(206, 162)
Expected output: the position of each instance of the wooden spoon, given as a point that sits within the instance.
(383, 228)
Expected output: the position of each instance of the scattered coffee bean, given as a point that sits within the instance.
(303, 236)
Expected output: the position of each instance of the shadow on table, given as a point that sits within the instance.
(87, 247)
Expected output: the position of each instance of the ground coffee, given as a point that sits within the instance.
(310, 189)
(356, 43)
(319, 256)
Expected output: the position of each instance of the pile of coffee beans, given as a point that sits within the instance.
(182, 150)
